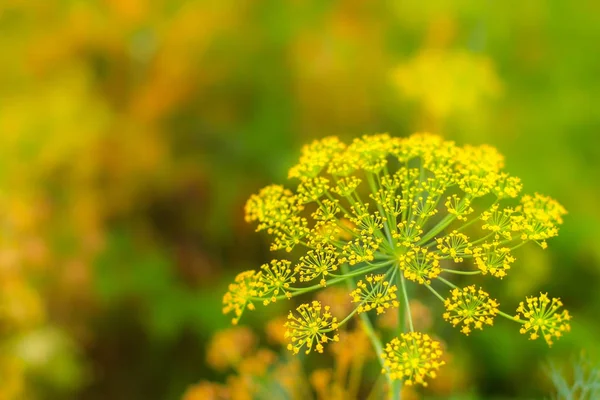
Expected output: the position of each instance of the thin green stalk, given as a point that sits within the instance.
(439, 296)
(505, 315)
(443, 224)
(382, 263)
(406, 304)
(452, 285)
(457, 272)
(396, 385)
(396, 389)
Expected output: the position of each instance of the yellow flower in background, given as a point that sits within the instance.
(207, 391)
(228, 348)
(20, 305)
(12, 372)
(447, 82)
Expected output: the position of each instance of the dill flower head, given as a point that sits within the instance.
(313, 326)
(470, 307)
(543, 318)
(374, 293)
(319, 262)
(240, 294)
(456, 245)
(412, 357)
(493, 259)
(275, 278)
(420, 265)
(382, 216)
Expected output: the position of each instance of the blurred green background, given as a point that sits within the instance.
(132, 132)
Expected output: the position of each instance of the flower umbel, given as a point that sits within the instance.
(313, 327)
(543, 318)
(420, 265)
(470, 307)
(240, 294)
(385, 217)
(316, 263)
(412, 357)
(275, 278)
(374, 293)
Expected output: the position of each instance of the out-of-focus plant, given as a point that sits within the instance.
(258, 373)
(85, 91)
(447, 83)
(419, 222)
(579, 380)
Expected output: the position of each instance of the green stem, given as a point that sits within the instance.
(457, 272)
(519, 245)
(505, 315)
(373, 266)
(406, 303)
(439, 296)
(452, 285)
(396, 385)
(443, 224)
(483, 239)
(395, 389)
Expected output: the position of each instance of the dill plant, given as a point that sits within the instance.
(383, 214)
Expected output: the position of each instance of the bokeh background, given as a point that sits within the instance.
(132, 132)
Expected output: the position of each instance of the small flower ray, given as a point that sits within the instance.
(315, 326)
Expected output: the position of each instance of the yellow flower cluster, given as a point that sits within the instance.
(240, 294)
(412, 357)
(275, 278)
(420, 265)
(375, 293)
(470, 307)
(446, 82)
(277, 211)
(227, 348)
(382, 214)
(543, 319)
(540, 218)
(456, 245)
(316, 263)
(313, 327)
(493, 260)
(250, 369)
